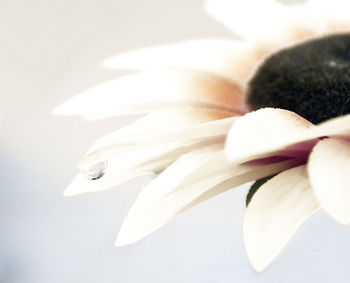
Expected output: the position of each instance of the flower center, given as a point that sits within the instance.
(311, 79)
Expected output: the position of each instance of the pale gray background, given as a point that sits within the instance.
(50, 50)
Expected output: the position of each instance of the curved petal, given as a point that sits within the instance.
(275, 213)
(130, 164)
(331, 16)
(268, 132)
(225, 58)
(192, 179)
(156, 90)
(328, 168)
(159, 123)
(212, 130)
(264, 133)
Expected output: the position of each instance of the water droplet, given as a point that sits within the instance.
(95, 171)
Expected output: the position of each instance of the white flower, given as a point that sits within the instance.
(195, 94)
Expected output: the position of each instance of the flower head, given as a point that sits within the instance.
(291, 68)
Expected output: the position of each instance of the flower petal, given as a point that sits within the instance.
(261, 21)
(275, 213)
(162, 124)
(264, 133)
(328, 168)
(225, 58)
(331, 16)
(156, 90)
(279, 132)
(130, 154)
(192, 179)
(114, 144)
(130, 164)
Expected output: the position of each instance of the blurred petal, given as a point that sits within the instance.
(260, 20)
(268, 132)
(225, 58)
(275, 213)
(271, 24)
(329, 166)
(192, 179)
(160, 90)
(331, 16)
(265, 132)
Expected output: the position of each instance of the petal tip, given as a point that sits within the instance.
(69, 192)
(122, 240)
(59, 111)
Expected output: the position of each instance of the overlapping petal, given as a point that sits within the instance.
(268, 132)
(328, 167)
(159, 124)
(275, 213)
(127, 157)
(192, 179)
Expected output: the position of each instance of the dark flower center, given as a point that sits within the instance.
(311, 79)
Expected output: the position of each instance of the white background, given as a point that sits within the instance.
(49, 51)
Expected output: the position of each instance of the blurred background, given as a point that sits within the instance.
(51, 50)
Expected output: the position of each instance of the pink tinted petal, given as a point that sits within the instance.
(267, 132)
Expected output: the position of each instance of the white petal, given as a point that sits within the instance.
(131, 154)
(255, 20)
(226, 58)
(331, 16)
(269, 132)
(191, 180)
(272, 25)
(130, 164)
(263, 133)
(275, 213)
(147, 91)
(114, 145)
(157, 124)
(329, 166)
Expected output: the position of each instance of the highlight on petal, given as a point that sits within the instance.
(275, 213)
(270, 132)
(229, 59)
(192, 179)
(328, 167)
(157, 90)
